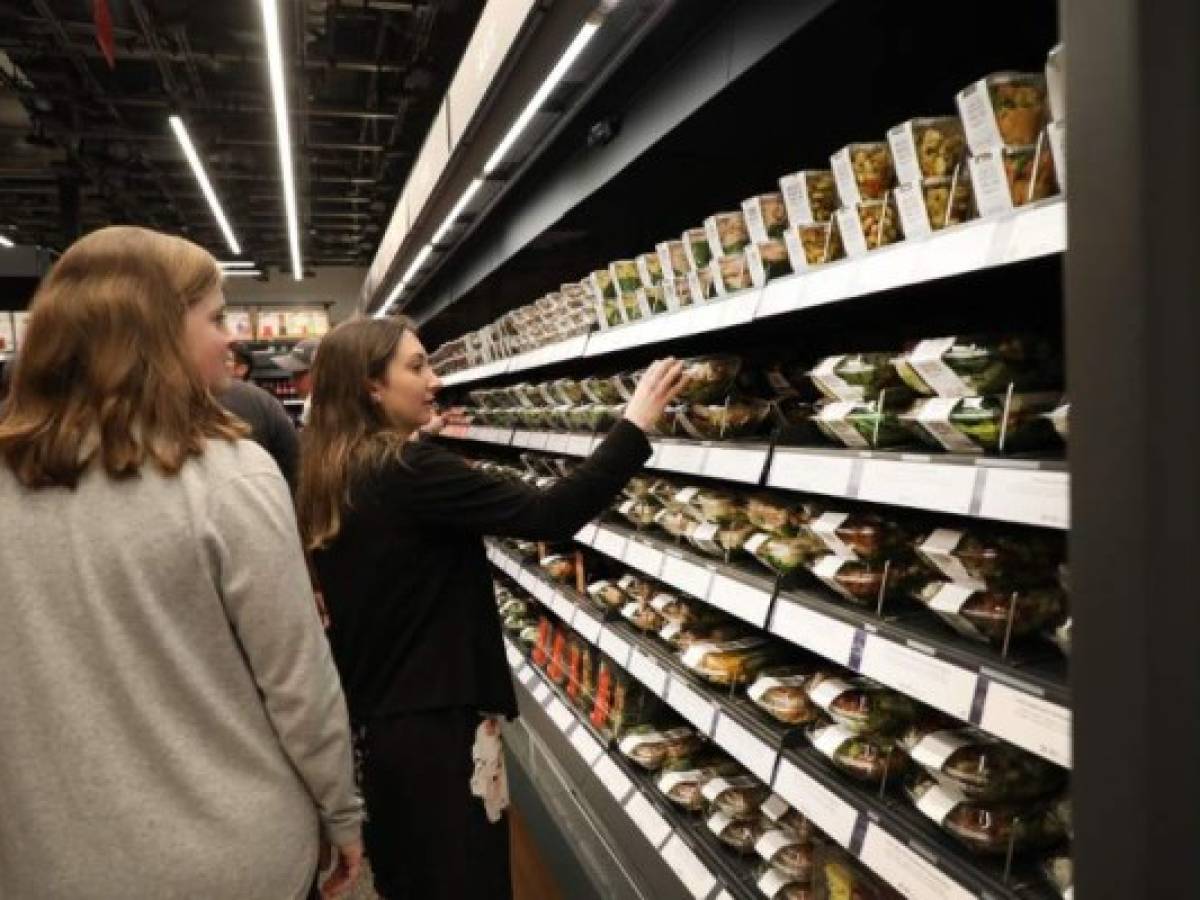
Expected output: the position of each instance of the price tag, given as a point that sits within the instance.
(1028, 496)
(643, 557)
(940, 684)
(615, 781)
(747, 749)
(648, 672)
(615, 646)
(586, 745)
(586, 534)
(680, 457)
(922, 485)
(1030, 722)
(831, 814)
(978, 117)
(850, 227)
(843, 175)
(914, 217)
(588, 627)
(811, 473)
(746, 601)
(564, 608)
(735, 463)
(698, 880)
(686, 575)
(610, 543)
(541, 693)
(821, 634)
(648, 819)
(691, 706)
(562, 717)
(904, 870)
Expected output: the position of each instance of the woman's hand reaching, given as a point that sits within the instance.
(660, 384)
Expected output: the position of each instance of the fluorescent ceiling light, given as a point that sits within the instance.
(5, 242)
(193, 158)
(270, 14)
(586, 33)
(232, 273)
(416, 264)
(234, 264)
(452, 217)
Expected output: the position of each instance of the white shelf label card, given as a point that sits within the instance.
(698, 880)
(586, 534)
(686, 575)
(811, 473)
(943, 685)
(648, 672)
(541, 693)
(735, 463)
(945, 487)
(680, 457)
(587, 626)
(648, 819)
(693, 707)
(615, 646)
(905, 870)
(609, 542)
(831, 814)
(615, 781)
(1032, 723)
(748, 602)
(828, 637)
(526, 675)
(586, 745)
(1028, 496)
(747, 749)
(644, 557)
(560, 715)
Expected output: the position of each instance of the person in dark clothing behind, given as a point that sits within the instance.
(270, 425)
(395, 529)
(240, 362)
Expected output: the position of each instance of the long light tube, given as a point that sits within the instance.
(193, 158)
(452, 216)
(235, 273)
(235, 264)
(585, 35)
(5, 242)
(270, 15)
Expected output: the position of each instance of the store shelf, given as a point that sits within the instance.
(1023, 699)
(1027, 233)
(883, 832)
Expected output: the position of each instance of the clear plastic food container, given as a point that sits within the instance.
(673, 259)
(777, 516)
(640, 513)
(766, 217)
(643, 616)
(681, 782)
(768, 260)
(973, 366)
(863, 171)
(862, 706)
(721, 540)
(864, 757)
(879, 221)
(726, 232)
(709, 378)
(781, 693)
(607, 595)
(732, 273)
(695, 244)
(861, 425)
(985, 615)
(625, 275)
(982, 424)
(928, 147)
(730, 663)
(649, 269)
(857, 535)
(854, 376)
(601, 390)
(809, 196)
(732, 419)
(631, 306)
(980, 556)
(1004, 109)
(651, 748)
(738, 796)
(782, 555)
(740, 835)
(676, 523)
(814, 244)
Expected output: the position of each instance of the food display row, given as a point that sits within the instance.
(997, 801)
(929, 173)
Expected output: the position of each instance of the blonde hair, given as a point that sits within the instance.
(347, 434)
(103, 374)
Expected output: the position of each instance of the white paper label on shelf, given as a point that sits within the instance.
(691, 706)
(904, 155)
(1029, 496)
(773, 841)
(927, 361)
(940, 684)
(934, 750)
(939, 801)
(843, 175)
(828, 811)
(938, 550)
(578, 445)
(586, 745)
(718, 822)
(828, 690)
(746, 601)
(765, 683)
(1057, 133)
(614, 780)
(811, 472)
(586, 534)
(756, 227)
(735, 464)
(610, 542)
(830, 739)
(526, 675)
(648, 672)
(946, 487)
(850, 227)
(557, 443)
(648, 819)
(828, 637)
(514, 658)
(824, 375)
(825, 526)
(905, 870)
(934, 415)
(1030, 722)
(914, 217)
(686, 575)
(833, 417)
(644, 557)
(588, 627)
(541, 693)
(993, 196)
(615, 646)
(743, 746)
(979, 118)
(680, 457)
(562, 717)
(794, 188)
(698, 880)
(717, 786)
(774, 808)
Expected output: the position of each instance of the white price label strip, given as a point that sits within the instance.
(735, 463)
(514, 658)
(1028, 496)
(644, 557)
(743, 746)
(586, 745)
(579, 445)
(586, 534)
(746, 601)
(827, 637)
(587, 626)
(648, 820)
(691, 706)
(831, 814)
(922, 485)
(905, 870)
(698, 880)
(614, 780)
(688, 458)
(615, 646)
(563, 607)
(940, 684)
(811, 473)
(562, 717)
(647, 671)
(541, 693)
(526, 674)
(686, 575)
(610, 542)
(1030, 722)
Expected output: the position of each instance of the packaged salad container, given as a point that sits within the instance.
(559, 568)
(631, 307)
(654, 299)
(765, 216)
(782, 555)
(731, 273)
(739, 835)
(980, 556)
(813, 245)
(732, 662)
(681, 637)
(721, 540)
(676, 522)
(864, 757)
(638, 588)
(568, 391)
(809, 196)
(778, 516)
(649, 268)
(861, 425)
(735, 418)
(639, 512)
(625, 275)
(857, 535)
(879, 222)
(1060, 419)
(684, 612)
(737, 796)
(707, 379)
(643, 616)
(934, 203)
(862, 706)
(681, 782)
(1060, 872)
(768, 260)
(862, 172)
(861, 581)
(727, 233)
(781, 693)
(784, 852)
(709, 504)
(1004, 109)
(608, 595)
(980, 766)
(855, 376)
(672, 260)
(982, 424)
(601, 390)
(697, 249)
(985, 615)
(778, 883)
(652, 749)
(928, 147)
(1012, 177)
(973, 366)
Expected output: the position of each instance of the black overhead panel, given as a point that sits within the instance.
(364, 76)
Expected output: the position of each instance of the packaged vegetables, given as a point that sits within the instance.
(731, 662)
(732, 419)
(863, 171)
(864, 757)
(855, 376)
(930, 147)
(860, 705)
(994, 615)
(1004, 109)
(681, 782)
(652, 749)
(781, 693)
(739, 834)
(809, 196)
(738, 796)
(726, 233)
(982, 424)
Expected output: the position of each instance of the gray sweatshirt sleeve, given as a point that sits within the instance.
(269, 601)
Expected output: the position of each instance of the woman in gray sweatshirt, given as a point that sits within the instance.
(171, 723)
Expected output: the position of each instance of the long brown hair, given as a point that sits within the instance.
(103, 374)
(347, 434)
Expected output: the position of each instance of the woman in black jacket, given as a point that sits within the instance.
(395, 528)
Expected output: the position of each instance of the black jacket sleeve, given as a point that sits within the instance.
(439, 488)
(283, 443)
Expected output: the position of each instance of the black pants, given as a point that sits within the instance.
(427, 836)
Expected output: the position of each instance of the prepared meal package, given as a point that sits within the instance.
(862, 706)
(652, 749)
(868, 758)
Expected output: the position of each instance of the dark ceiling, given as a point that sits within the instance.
(83, 145)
